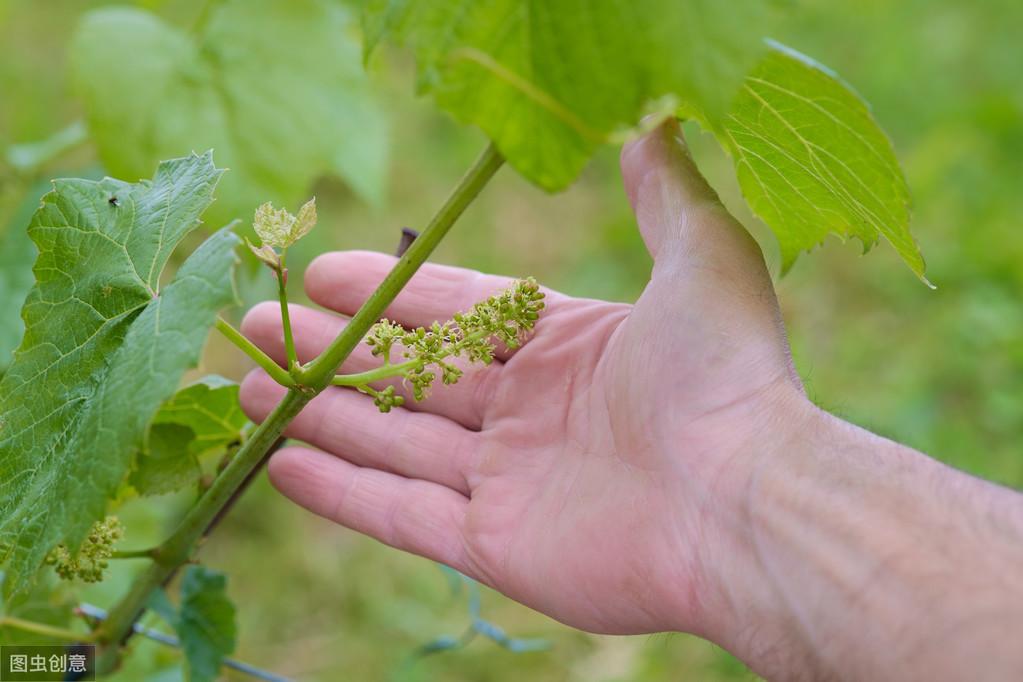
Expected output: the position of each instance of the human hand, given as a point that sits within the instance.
(658, 467)
(590, 473)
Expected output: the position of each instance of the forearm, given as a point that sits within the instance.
(868, 560)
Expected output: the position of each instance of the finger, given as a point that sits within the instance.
(347, 424)
(464, 402)
(680, 216)
(343, 280)
(412, 515)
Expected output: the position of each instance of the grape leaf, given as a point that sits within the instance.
(203, 418)
(166, 462)
(104, 346)
(811, 159)
(210, 408)
(204, 621)
(276, 88)
(549, 81)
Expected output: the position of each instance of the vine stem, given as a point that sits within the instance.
(316, 376)
(276, 372)
(45, 630)
(319, 373)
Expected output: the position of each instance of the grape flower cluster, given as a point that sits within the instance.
(508, 317)
(90, 562)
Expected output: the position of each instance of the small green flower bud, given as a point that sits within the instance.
(88, 565)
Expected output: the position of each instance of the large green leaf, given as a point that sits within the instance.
(202, 418)
(811, 159)
(549, 81)
(204, 621)
(104, 346)
(275, 87)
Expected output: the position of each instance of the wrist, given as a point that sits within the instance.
(742, 607)
(842, 542)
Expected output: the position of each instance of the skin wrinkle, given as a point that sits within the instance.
(894, 562)
(465, 445)
(801, 622)
(395, 435)
(485, 386)
(344, 498)
(751, 511)
(395, 454)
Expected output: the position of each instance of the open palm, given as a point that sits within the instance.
(575, 473)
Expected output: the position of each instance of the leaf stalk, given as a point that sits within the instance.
(276, 372)
(133, 554)
(45, 630)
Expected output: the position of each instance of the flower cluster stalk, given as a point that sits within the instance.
(507, 316)
(282, 296)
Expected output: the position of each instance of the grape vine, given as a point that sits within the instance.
(92, 392)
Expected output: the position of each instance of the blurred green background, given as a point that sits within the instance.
(940, 370)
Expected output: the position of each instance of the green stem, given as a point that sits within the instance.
(179, 546)
(177, 549)
(387, 370)
(321, 371)
(282, 295)
(371, 375)
(133, 554)
(276, 372)
(45, 630)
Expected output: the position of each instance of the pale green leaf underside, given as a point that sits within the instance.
(210, 408)
(203, 418)
(103, 346)
(549, 81)
(811, 159)
(276, 88)
(166, 464)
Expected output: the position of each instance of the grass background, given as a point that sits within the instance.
(940, 370)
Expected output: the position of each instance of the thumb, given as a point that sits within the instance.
(682, 220)
(709, 291)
